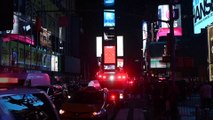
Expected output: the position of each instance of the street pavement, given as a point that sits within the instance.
(190, 109)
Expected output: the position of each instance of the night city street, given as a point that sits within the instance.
(106, 59)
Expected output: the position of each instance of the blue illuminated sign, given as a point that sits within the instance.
(109, 18)
(109, 3)
(203, 14)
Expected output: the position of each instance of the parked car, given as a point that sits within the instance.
(26, 104)
(87, 103)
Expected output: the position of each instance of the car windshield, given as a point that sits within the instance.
(83, 97)
(28, 107)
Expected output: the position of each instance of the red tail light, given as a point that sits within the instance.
(123, 77)
(112, 97)
(99, 76)
(104, 77)
(9, 80)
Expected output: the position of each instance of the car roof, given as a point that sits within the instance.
(36, 79)
(5, 91)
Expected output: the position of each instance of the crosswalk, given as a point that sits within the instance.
(130, 114)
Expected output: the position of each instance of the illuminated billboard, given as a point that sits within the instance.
(120, 63)
(156, 53)
(109, 18)
(163, 27)
(109, 3)
(109, 55)
(120, 46)
(210, 52)
(22, 30)
(98, 46)
(54, 63)
(45, 39)
(203, 14)
(144, 35)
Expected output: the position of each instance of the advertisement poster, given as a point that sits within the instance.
(210, 51)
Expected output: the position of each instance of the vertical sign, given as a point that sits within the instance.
(210, 52)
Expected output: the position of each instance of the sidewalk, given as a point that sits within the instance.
(190, 110)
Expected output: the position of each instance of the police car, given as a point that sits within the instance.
(24, 103)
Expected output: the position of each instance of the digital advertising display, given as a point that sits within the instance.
(22, 30)
(203, 14)
(109, 3)
(120, 63)
(54, 63)
(109, 18)
(210, 52)
(156, 53)
(144, 35)
(109, 55)
(45, 39)
(163, 27)
(98, 46)
(120, 46)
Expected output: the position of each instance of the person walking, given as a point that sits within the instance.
(206, 95)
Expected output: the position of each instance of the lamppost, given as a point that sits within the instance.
(171, 24)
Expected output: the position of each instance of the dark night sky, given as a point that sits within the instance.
(129, 16)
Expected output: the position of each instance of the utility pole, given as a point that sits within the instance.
(171, 24)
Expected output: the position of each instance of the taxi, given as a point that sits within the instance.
(24, 103)
(87, 103)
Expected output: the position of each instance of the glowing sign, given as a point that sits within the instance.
(98, 46)
(120, 46)
(163, 14)
(109, 3)
(109, 18)
(203, 14)
(109, 54)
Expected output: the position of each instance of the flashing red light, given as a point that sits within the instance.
(8, 80)
(104, 77)
(99, 76)
(119, 77)
(131, 82)
(124, 77)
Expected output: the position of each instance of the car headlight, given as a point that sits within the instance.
(102, 111)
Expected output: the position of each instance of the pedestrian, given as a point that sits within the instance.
(206, 95)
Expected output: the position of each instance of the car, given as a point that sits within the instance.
(38, 81)
(26, 104)
(86, 103)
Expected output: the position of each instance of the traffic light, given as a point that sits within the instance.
(6, 15)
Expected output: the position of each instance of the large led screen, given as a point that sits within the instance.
(210, 52)
(120, 46)
(109, 55)
(144, 35)
(98, 46)
(54, 63)
(203, 14)
(45, 39)
(120, 63)
(163, 27)
(109, 18)
(23, 30)
(156, 53)
(109, 3)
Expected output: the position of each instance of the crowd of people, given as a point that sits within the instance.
(164, 96)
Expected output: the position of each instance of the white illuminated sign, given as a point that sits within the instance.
(120, 46)
(98, 46)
